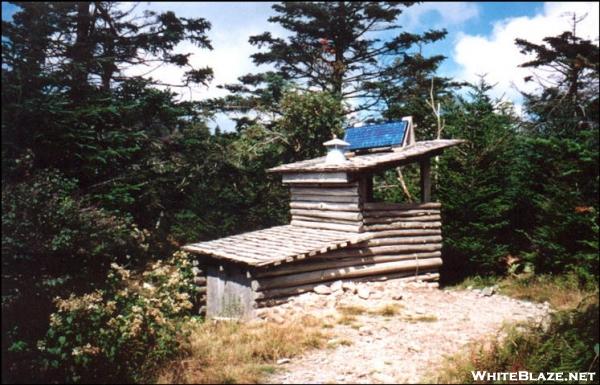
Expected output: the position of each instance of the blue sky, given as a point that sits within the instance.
(480, 37)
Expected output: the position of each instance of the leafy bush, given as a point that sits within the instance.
(52, 245)
(122, 332)
(47, 228)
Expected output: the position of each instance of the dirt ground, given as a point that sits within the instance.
(397, 332)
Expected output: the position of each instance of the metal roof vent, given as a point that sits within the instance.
(335, 150)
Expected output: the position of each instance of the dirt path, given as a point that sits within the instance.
(388, 339)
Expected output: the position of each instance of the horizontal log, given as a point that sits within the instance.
(397, 213)
(403, 240)
(287, 292)
(337, 191)
(407, 233)
(326, 220)
(404, 225)
(315, 177)
(326, 206)
(401, 206)
(386, 249)
(381, 220)
(346, 272)
(328, 226)
(328, 214)
(324, 198)
(320, 264)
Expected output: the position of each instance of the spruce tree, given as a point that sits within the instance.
(336, 47)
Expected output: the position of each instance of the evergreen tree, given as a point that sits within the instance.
(334, 47)
(59, 59)
(476, 186)
(559, 168)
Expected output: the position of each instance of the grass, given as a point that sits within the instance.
(387, 310)
(567, 343)
(351, 310)
(420, 318)
(563, 292)
(231, 352)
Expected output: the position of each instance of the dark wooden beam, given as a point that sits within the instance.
(425, 179)
(366, 187)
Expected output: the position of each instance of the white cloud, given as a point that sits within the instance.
(232, 24)
(449, 14)
(497, 55)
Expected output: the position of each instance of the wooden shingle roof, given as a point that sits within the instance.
(276, 245)
(395, 157)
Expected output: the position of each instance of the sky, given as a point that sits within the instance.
(480, 39)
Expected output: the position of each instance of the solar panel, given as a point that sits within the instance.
(376, 135)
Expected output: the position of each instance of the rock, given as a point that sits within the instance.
(336, 286)
(383, 378)
(397, 297)
(488, 291)
(377, 295)
(322, 289)
(282, 361)
(365, 331)
(277, 318)
(378, 366)
(340, 378)
(148, 286)
(363, 293)
(349, 286)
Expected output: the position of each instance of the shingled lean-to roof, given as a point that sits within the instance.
(276, 245)
(397, 156)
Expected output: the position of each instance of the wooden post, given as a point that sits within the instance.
(425, 180)
(366, 188)
(369, 188)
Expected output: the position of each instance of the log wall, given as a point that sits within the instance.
(407, 245)
(331, 207)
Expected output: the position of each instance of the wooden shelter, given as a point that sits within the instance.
(337, 232)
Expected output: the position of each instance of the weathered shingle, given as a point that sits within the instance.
(276, 245)
(398, 155)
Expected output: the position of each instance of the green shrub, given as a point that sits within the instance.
(53, 244)
(47, 229)
(122, 332)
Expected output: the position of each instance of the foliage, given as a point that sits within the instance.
(120, 333)
(568, 344)
(53, 243)
(559, 158)
(308, 119)
(331, 48)
(475, 184)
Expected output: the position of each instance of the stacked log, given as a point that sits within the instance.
(200, 282)
(407, 244)
(336, 207)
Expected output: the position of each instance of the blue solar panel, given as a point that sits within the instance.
(376, 135)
